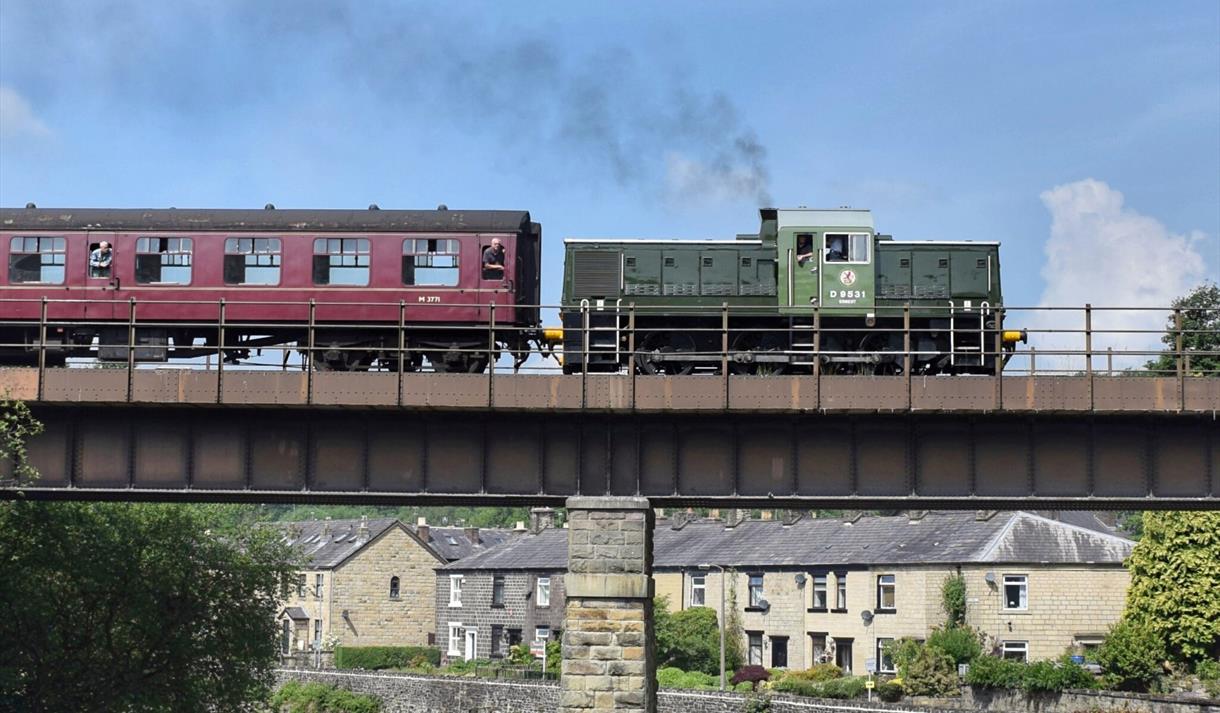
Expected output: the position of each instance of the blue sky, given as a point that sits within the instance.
(1085, 136)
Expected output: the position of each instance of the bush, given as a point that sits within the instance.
(295, 697)
(520, 655)
(930, 673)
(844, 688)
(1058, 675)
(833, 688)
(689, 639)
(1131, 656)
(670, 677)
(889, 691)
(961, 643)
(752, 675)
(379, 657)
(818, 672)
(1208, 672)
(953, 600)
(995, 672)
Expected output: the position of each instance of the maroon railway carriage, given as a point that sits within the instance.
(365, 270)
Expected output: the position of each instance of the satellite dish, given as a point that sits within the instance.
(989, 578)
(867, 617)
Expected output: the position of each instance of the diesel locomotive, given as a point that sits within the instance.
(812, 290)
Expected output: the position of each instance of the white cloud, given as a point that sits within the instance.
(1102, 253)
(16, 117)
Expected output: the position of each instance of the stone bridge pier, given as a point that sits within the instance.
(609, 663)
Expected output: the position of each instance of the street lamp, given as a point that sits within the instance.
(723, 622)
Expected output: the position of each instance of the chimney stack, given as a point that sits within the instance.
(984, 515)
(916, 515)
(791, 517)
(541, 519)
(362, 534)
(735, 518)
(472, 534)
(422, 529)
(680, 519)
(326, 529)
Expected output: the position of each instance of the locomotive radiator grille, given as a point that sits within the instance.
(596, 273)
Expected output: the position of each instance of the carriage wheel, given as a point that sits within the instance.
(651, 356)
(759, 342)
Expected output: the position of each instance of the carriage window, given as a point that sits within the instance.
(36, 260)
(165, 261)
(430, 261)
(252, 261)
(847, 247)
(341, 261)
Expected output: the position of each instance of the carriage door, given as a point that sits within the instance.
(847, 271)
(497, 278)
(798, 258)
(102, 282)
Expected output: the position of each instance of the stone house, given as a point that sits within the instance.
(368, 582)
(503, 596)
(814, 590)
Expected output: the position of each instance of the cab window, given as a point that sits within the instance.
(430, 261)
(341, 261)
(847, 247)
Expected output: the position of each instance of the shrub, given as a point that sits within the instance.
(1131, 656)
(953, 600)
(798, 686)
(1058, 675)
(1208, 671)
(903, 651)
(752, 675)
(379, 657)
(930, 673)
(961, 643)
(689, 639)
(520, 655)
(670, 677)
(889, 691)
(295, 697)
(833, 688)
(554, 655)
(844, 688)
(995, 672)
(818, 672)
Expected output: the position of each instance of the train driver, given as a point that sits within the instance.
(100, 259)
(836, 248)
(493, 261)
(804, 248)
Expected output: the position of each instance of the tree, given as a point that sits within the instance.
(17, 426)
(1200, 332)
(689, 639)
(1131, 656)
(135, 608)
(953, 599)
(1175, 582)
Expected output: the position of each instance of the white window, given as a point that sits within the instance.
(317, 634)
(542, 633)
(755, 648)
(847, 247)
(698, 590)
(317, 585)
(819, 591)
(841, 591)
(1018, 650)
(885, 662)
(163, 261)
(455, 638)
(756, 593)
(1016, 591)
(886, 592)
(544, 592)
(455, 590)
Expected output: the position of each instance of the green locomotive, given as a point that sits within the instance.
(814, 289)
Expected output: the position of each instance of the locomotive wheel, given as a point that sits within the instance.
(889, 362)
(651, 357)
(759, 342)
(462, 364)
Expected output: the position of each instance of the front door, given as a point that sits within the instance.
(472, 644)
(843, 655)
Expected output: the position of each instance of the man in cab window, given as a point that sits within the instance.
(99, 260)
(493, 261)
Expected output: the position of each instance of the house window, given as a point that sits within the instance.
(779, 652)
(341, 261)
(301, 585)
(819, 592)
(544, 592)
(455, 638)
(286, 637)
(843, 655)
(756, 592)
(817, 647)
(886, 589)
(317, 634)
(393, 587)
(317, 585)
(455, 590)
(497, 590)
(885, 661)
(698, 590)
(514, 637)
(37, 260)
(841, 591)
(1016, 650)
(1016, 591)
(163, 261)
(497, 640)
(252, 261)
(755, 648)
(430, 261)
(542, 633)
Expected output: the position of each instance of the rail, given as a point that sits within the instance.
(714, 348)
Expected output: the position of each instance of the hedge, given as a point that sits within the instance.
(378, 657)
(296, 697)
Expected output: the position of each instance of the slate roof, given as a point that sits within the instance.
(330, 550)
(296, 613)
(936, 538)
(452, 543)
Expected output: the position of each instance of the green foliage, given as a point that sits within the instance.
(931, 672)
(842, 688)
(374, 658)
(953, 600)
(670, 677)
(995, 672)
(1208, 672)
(295, 697)
(902, 652)
(1132, 522)
(1200, 333)
(889, 691)
(1131, 655)
(752, 675)
(17, 427)
(554, 656)
(734, 634)
(520, 655)
(1039, 676)
(1175, 582)
(817, 672)
(689, 639)
(757, 704)
(962, 643)
(125, 607)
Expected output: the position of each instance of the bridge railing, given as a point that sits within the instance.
(894, 344)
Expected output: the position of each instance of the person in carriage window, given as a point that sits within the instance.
(100, 259)
(836, 248)
(493, 261)
(804, 248)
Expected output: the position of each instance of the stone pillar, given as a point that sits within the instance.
(609, 662)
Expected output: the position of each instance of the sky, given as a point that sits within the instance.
(1084, 136)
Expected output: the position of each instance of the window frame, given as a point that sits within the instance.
(542, 591)
(62, 264)
(751, 637)
(395, 587)
(775, 646)
(840, 592)
(824, 589)
(753, 589)
(813, 649)
(317, 634)
(882, 656)
(698, 583)
(868, 249)
(498, 587)
(1021, 581)
(1014, 646)
(276, 255)
(456, 634)
(540, 628)
(892, 586)
(496, 642)
(143, 247)
(449, 242)
(357, 254)
(455, 590)
(319, 582)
